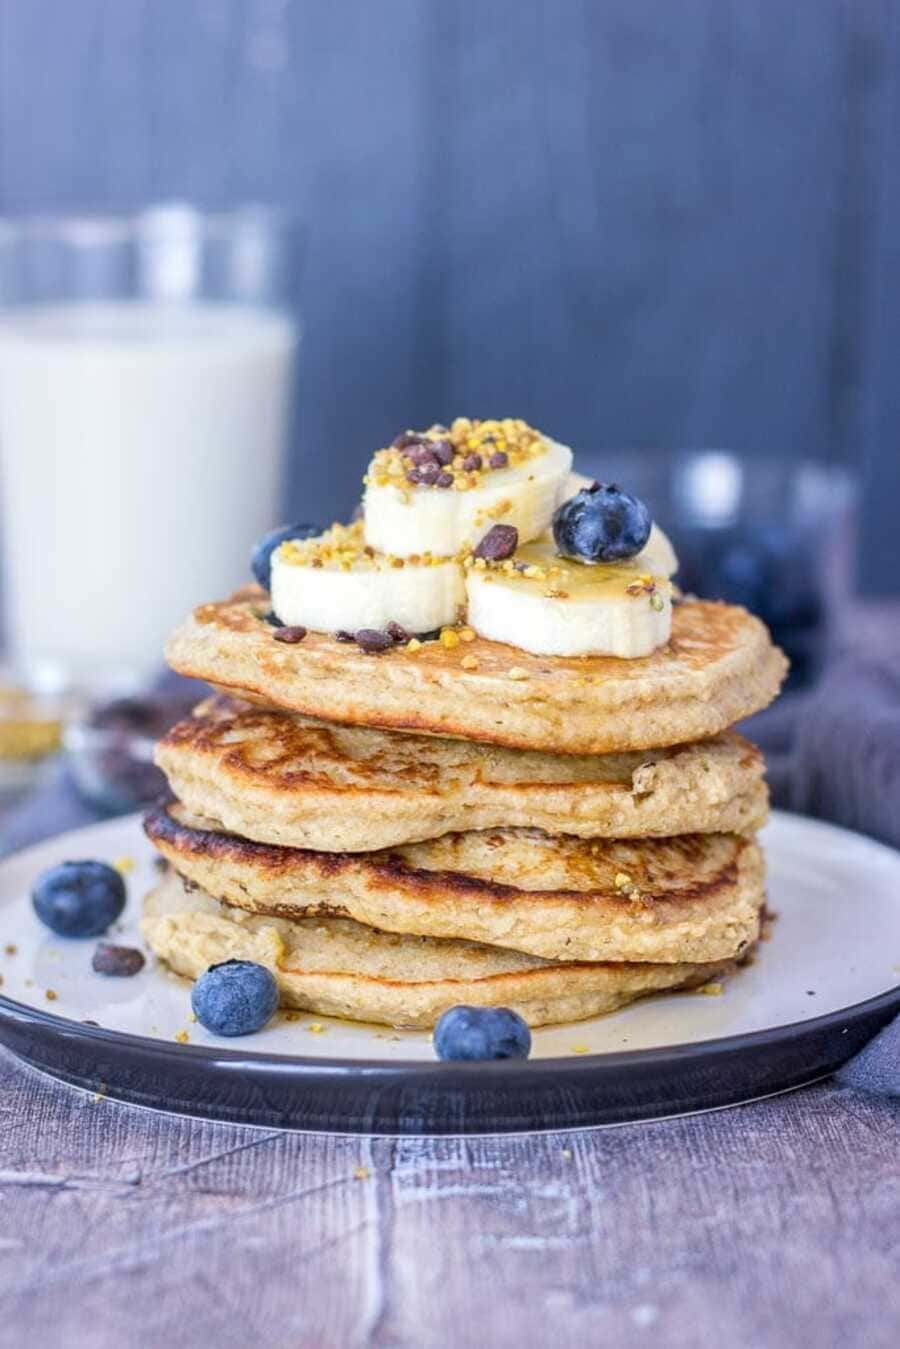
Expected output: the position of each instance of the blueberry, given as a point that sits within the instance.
(601, 524)
(261, 557)
(481, 1033)
(235, 998)
(79, 899)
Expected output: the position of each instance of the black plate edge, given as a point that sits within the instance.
(622, 1058)
(415, 1098)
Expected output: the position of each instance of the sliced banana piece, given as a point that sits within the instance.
(457, 510)
(657, 555)
(335, 582)
(550, 606)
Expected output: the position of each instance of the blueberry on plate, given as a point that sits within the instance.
(79, 899)
(601, 524)
(237, 997)
(481, 1033)
(261, 557)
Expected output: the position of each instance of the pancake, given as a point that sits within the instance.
(693, 898)
(720, 665)
(336, 967)
(306, 784)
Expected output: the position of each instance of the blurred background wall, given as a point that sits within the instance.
(633, 222)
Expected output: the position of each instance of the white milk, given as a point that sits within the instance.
(142, 451)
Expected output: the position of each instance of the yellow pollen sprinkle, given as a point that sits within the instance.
(710, 990)
(413, 644)
(580, 1049)
(517, 673)
(622, 881)
(361, 1173)
(449, 638)
(50, 995)
(182, 1037)
(316, 1028)
(123, 865)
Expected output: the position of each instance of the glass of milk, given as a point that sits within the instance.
(145, 381)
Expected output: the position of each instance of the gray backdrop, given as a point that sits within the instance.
(635, 222)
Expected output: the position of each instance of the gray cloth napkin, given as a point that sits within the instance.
(835, 753)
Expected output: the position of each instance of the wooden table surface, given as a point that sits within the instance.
(773, 1224)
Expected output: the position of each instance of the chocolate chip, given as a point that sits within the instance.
(121, 961)
(371, 641)
(342, 635)
(290, 635)
(499, 542)
(499, 459)
(444, 480)
(272, 619)
(396, 633)
(443, 451)
(431, 636)
(160, 864)
(472, 461)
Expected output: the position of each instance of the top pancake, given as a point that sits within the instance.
(719, 666)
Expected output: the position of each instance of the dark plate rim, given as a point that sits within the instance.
(381, 1069)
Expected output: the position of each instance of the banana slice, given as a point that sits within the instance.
(335, 581)
(486, 473)
(550, 606)
(657, 555)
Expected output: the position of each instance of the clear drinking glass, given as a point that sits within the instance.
(145, 378)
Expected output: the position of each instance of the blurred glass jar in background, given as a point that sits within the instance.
(773, 534)
(145, 380)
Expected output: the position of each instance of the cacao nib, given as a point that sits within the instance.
(119, 961)
(406, 438)
(371, 641)
(500, 542)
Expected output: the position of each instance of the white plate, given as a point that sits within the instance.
(835, 944)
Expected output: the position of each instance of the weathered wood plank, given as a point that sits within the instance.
(776, 1223)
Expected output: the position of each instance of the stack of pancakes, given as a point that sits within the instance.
(395, 834)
